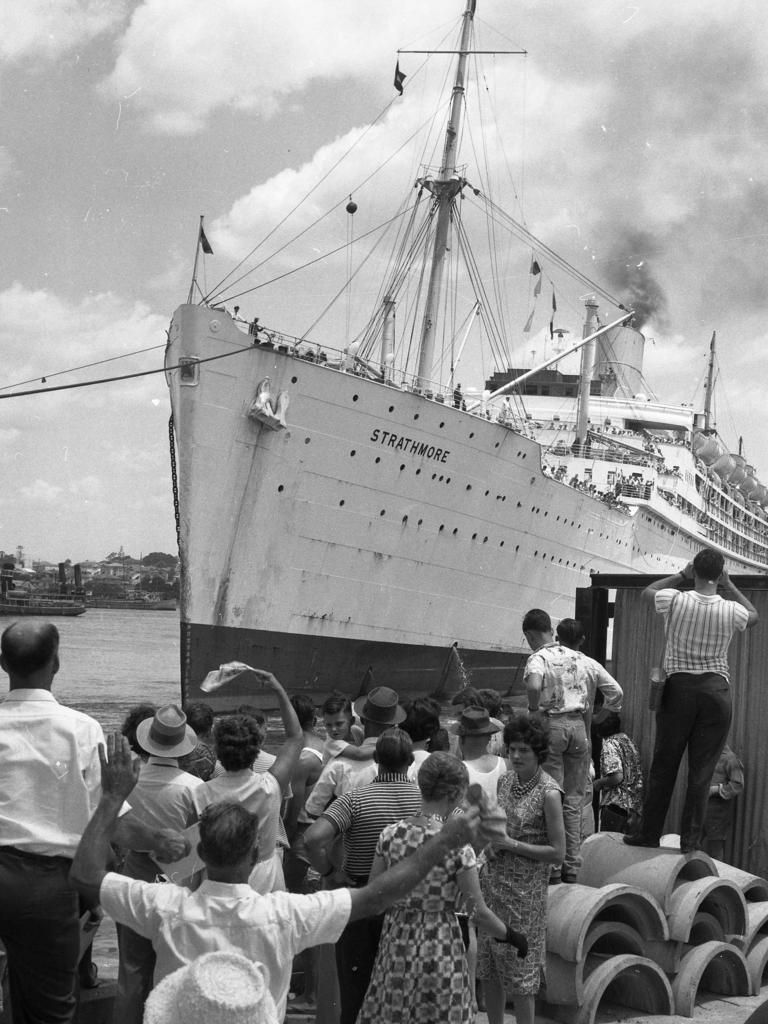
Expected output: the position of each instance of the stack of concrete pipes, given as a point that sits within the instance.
(649, 929)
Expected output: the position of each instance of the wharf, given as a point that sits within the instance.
(96, 1004)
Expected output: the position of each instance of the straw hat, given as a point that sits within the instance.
(167, 734)
(217, 988)
(380, 706)
(475, 722)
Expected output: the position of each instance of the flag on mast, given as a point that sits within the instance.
(400, 77)
(203, 242)
(552, 319)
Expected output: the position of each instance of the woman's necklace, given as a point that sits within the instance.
(520, 789)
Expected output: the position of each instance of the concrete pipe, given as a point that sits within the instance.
(713, 967)
(605, 858)
(717, 897)
(629, 981)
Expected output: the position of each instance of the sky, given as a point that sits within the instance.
(631, 137)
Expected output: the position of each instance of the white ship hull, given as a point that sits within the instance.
(377, 529)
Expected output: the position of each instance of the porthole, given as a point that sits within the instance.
(353, 453)
(377, 460)
(355, 398)
(442, 527)
(383, 512)
(391, 408)
(307, 440)
(341, 503)
(280, 489)
(455, 530)
(415, 415)
(294, 380)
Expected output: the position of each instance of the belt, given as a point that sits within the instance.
(565, 714)
(36, 858)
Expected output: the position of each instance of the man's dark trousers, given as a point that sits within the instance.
(355, 956)
(695, 713)
(40, 927)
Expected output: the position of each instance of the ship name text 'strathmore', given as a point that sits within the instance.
(411, 445)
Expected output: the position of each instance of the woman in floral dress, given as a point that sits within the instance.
(515, 881)
(420, 974)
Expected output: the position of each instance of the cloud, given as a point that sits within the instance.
(40, 28)
(97, 455)
(41, 492)
(181, 61)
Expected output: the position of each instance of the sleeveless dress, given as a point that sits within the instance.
(516, 888)
(420, 975)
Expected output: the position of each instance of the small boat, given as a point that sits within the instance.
(20, 597)
(40, 605)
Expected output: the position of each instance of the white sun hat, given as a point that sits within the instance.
(217, 988)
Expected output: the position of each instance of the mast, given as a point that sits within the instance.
(445, 187)
(709, 385)
(587, 369)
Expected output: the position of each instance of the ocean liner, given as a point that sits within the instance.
(348, 515)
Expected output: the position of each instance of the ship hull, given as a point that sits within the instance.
(377, 528)
(326, 665)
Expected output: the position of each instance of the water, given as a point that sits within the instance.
(112, 658)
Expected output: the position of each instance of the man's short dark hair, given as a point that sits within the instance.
(422, 719)
(537, 621)
(305, 710)
(237, 739)
(227, 833)
(136, 715)
(570, 632)
(199, 717)
(708, 565)
(337, 705)
(394, 751)
(28, 651)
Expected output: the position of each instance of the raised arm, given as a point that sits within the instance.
(288, 755)
(675, 580)
(118, 777)
(734, 594)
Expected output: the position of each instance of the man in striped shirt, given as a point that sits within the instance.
(359, 816)
(696, 708)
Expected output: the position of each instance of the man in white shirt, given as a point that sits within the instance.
(166, 797)
(225, 912)
(49, 786)
(561, 683)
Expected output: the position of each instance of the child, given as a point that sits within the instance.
(343, 735)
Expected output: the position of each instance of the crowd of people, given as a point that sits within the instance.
(400, 869)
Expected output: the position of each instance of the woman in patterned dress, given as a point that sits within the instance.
(420, 974)
(516, 880)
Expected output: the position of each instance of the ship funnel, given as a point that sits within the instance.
(619, 361)
(78, 577)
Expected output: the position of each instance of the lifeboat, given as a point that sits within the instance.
(707, 448)
(739, 474)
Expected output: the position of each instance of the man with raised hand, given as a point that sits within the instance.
(225, 913)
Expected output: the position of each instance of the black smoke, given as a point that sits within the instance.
(629, 271)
